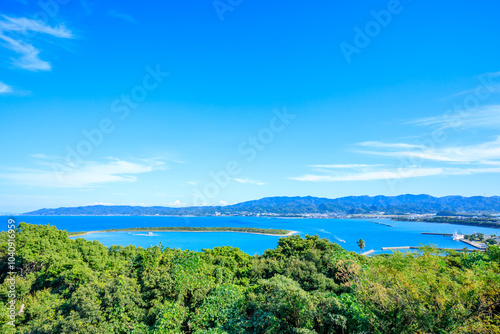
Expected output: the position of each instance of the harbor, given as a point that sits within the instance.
(440, 248)
(475, 240)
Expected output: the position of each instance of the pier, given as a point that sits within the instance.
(371, 221)
(474, 244)
(440, 248)
(368, 253)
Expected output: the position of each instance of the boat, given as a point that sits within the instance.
(338, 239)
(457, 237)
(150, 233)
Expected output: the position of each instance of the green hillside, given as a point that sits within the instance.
(282, 205)
(304, 285)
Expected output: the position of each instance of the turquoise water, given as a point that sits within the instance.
(376, 236)
(249, 243)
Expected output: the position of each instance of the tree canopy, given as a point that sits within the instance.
(304, 285)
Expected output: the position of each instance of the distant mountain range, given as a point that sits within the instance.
(402, 204)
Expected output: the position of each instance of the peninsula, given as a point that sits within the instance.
(252, 230)
(480, 221)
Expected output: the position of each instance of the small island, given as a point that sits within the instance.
(253, 230)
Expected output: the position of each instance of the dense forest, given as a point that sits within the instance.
(304, 285)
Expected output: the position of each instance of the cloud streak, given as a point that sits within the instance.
(373, 175)
(491, 86)
(340, 166)
(122, 16)
(452, 160)
(5, 89)
(479, 153)
(250, 181)
(13, 33)
(397, 173)
(23, 25)
(54, 174)
(445, 160)
(485, 117)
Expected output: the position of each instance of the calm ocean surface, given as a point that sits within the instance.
(337, 230)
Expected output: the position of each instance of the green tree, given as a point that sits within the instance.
(304, 285)
(361, 245)
(281, 304)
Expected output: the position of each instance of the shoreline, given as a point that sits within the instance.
(274, 235)
(458, 222)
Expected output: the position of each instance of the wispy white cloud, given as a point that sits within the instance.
(10, 90)
(491, 86)
(397, 173)
(450, 160)
(249, 181)
(24, 25)
(484, 117)
(5, 89)
(13, 33)
(177, 203)
(372, 175)
(156, 163)
(478, 153)
(28, 59)
(99, 203)
(444, 160)
(486, 83)
(347, 166)
(387, 145)
(54, 174)
(122, 16)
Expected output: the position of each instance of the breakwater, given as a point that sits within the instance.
(380, 223)
(440, 248)
(443, 234)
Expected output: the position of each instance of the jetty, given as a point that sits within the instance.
(440, 248)
(474, 244)
(371, 221)
(459, 237)
(368, 252)
(396, 248)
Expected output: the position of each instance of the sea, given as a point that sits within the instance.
(346, 232)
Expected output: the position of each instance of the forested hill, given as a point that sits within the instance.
(401, 204)
(303, 286)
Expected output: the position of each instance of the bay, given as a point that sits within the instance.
(345, 232)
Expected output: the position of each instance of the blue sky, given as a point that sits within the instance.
(179, 103)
